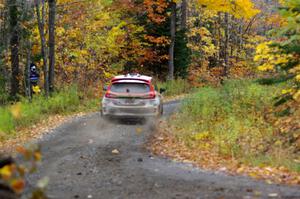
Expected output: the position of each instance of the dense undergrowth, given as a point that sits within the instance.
(24, 113)
(175, 87)
(237, 121)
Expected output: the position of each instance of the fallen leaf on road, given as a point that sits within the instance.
(18, 185)
(43, 183)
(223, 169)
(160, 138)
(257, 193)
(37, 156)
(273, 195)
(115, 151)
(138, 131)
(269, 182)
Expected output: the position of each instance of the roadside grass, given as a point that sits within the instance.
(23, 114)
(175, 87)
(284, 159)
(232, 121)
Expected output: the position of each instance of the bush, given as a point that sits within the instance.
(6, 122)
(26, 113)
(231, 120)
(175, 87)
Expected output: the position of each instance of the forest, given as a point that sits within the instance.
(87, 42)
(236, 61)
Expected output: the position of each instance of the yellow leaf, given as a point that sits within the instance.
(240, 170)
(139, 131)
(201, 136)
(36, 89)
(6, 172)
(60, 31)
(296, 96)
(254, 175)
(286, 91)
(278, 143)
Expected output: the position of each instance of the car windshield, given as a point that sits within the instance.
(130, 88)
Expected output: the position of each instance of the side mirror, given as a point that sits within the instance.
(162, 90)
(105, 88)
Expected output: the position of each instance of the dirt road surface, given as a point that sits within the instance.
(91, 158)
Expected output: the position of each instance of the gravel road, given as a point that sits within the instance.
(78, 159)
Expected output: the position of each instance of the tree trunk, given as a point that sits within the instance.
(41, 26)
(172, 44)
(14, 48)
(52, 13)
(184, 7)
(27, 73)
(220, 43)
(3, 45)
(226, 42)
(239, 40)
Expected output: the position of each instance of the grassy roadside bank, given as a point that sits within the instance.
(22, 115)
(175, 88)
(231, 126)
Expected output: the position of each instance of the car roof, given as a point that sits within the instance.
(132, 78)
(130, 81)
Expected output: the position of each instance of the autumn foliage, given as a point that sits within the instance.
(200, 43)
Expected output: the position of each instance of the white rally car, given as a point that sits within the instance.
(132, 96)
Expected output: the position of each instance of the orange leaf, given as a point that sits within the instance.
(37, 156)
(21, 150)
(18, 185)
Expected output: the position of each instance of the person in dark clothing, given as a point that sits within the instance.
(34, 75)
(34, 79)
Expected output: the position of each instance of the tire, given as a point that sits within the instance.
(161, 111)
(105, 118)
